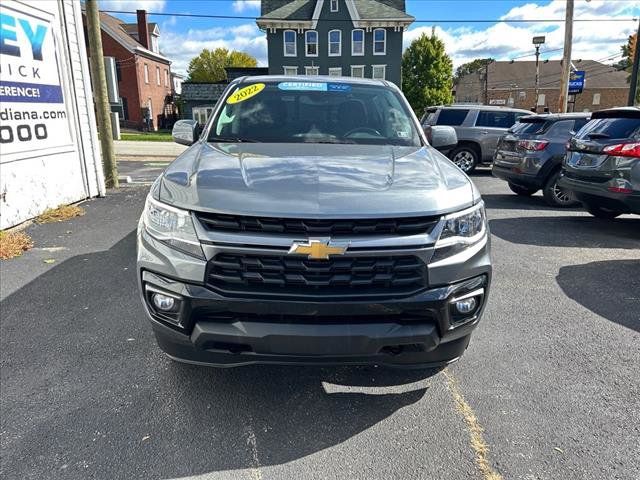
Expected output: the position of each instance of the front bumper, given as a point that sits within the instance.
(215, 329)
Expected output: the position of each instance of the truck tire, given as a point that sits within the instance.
(465, 157)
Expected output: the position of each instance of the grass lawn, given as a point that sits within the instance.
(147, 137)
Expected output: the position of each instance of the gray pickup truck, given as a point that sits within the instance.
(478, 127)
(310, 222)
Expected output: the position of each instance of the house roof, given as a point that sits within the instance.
(361, 12)
(132, 28)
(504, 75)
(205, 92)
(116, 29)
(379, 10)
(294, 10)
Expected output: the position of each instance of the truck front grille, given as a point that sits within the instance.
(301, 226)
(298, 276)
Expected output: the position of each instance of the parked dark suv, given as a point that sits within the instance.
(602, 167)
(478, 128)
(529, 157)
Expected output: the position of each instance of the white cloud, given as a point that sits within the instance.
(133, 5)
(504, 41)
(242, 5)
(182, 47)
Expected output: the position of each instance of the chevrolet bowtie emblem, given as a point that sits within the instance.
(318, 249)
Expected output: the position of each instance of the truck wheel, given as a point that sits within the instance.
(555, 195)
(466, 158)
(600, 212)
(523, 192)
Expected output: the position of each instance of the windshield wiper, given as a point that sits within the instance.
(231, 140)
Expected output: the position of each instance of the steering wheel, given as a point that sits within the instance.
(363, 130)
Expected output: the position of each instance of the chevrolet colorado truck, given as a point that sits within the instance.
(310, 222)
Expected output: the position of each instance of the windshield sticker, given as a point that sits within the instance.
(315, 86)
(245, 93)
(402, 134)
(338, 87)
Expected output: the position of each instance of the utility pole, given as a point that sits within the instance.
(566, 57)
(100, 93)
(633, 88)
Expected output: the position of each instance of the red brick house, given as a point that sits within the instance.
(144, 74)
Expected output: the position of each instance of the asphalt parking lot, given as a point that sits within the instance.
(550, 377)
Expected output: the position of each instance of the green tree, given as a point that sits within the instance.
(427, 73)
(210, 64)
(471, 67)
(626, 63)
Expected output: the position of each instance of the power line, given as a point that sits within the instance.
(243, 17)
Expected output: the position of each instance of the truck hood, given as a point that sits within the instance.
(315, 180)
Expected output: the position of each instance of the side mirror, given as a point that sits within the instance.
(443, 137)
(185, 132)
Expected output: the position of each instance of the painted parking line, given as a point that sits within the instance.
(476, 439)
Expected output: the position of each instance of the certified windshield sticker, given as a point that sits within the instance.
(315, 86)
(245, 93)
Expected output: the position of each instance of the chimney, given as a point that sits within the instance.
(143, 28)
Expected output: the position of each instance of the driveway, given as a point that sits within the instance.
(548, 388)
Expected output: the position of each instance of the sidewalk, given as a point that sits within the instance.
(146, 151)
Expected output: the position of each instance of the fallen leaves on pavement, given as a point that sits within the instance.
(60, 214)
(12, 244)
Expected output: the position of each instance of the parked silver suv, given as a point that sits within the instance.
(479, 127)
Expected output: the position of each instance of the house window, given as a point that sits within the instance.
(158, 75)
(290, 48)
(335, 72)
(379, 41)
(357, 42)
(541, 99)
(357, 71)
(146, 73)
(311, 43)
(311, 70)
(334, 5)
(290, 70)
(201, 114)
(166, 77)
(335, 43)
(378, 71)
(596, 99)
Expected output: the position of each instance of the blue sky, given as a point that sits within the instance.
(183, 38)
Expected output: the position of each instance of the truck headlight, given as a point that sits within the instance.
(461, 230)
(171, 226)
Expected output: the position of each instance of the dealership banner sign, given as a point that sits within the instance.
(33, 112)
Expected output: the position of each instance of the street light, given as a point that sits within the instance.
(537, 41)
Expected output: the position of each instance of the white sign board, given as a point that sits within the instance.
(497, 101)
(33, 113)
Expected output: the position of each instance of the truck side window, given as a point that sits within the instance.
(452, 116)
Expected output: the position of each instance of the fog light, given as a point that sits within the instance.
(163, 302)
(466, 306)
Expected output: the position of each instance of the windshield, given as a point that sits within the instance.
(534, 127)
(314, 112)
(611, 128)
